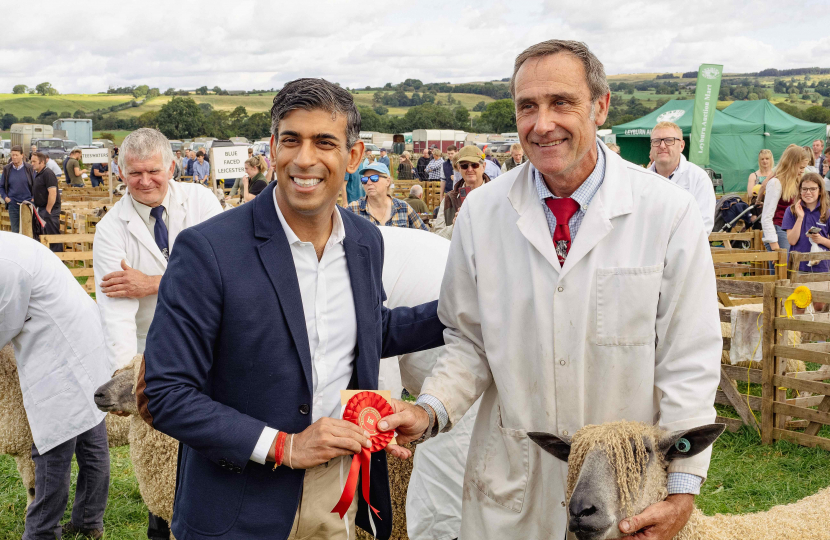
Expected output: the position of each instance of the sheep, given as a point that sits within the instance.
(616, 470)
(153, 453)
(15, 434)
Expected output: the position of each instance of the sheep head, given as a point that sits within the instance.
(616, 470)
(118, 395)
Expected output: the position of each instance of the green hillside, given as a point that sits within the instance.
(22, 105)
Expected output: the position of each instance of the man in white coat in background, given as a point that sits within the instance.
(55, 329)
(413, 268)
(132, 245)
(579, 290)
(669, 162)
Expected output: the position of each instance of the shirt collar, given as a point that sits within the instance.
(584, 194)
(653, 167)
(338, 230)
(144, 210)
(18, 168)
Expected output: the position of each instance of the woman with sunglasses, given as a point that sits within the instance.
(470, 161)
(378, 206)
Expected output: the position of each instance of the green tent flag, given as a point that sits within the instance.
(706, 100)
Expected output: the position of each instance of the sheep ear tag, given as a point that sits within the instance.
(683, 445)
(364, 408)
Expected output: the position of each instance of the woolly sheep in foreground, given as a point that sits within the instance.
(153, 453)
(616, 470)
(15, 434)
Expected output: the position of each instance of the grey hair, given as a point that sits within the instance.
(145, 143)
(310, 94)
(594, 70)
(416, 191)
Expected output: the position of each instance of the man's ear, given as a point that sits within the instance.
(273, 148)
(690, 442)
(560, 447)
(602, 106)
(355, 156)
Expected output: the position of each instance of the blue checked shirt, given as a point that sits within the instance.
(583, 195)
(677, 482)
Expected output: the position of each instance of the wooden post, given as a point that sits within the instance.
(212, 171)
(768, 363)
(781, 265)
(26, 220)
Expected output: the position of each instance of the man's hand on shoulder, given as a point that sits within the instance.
(662, 520)
(129, 283)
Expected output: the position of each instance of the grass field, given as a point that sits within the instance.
(744, 477)
(22, 105)
(119, 135)
(252, 103)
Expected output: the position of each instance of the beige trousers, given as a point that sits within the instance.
(322, 487)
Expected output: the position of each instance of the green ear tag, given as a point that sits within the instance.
(683, 445)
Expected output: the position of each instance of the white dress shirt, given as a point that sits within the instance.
(331, 322)
(144, 212)
(694, 179)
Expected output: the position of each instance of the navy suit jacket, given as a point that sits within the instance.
(227, 354)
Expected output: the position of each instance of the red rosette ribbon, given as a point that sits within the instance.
(364, 409)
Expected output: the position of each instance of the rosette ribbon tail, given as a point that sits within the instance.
(363, 460)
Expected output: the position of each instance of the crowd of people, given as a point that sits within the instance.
(554, 241)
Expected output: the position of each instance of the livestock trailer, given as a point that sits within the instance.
(440, 138)
(22, 134)
(77, 129)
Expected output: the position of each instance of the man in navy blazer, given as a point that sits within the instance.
(264, 314)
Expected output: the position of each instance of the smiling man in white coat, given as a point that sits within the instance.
(133, 242)
(579, 290)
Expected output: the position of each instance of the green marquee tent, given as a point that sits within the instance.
(782, 128)
(733, 148)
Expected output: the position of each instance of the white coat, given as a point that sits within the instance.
(627, 329)
(55, 329)
(413, 268)
(122, 234)
(695, 180)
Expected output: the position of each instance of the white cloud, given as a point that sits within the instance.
(90, 45)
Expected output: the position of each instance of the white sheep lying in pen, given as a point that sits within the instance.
(616, 470)
(153, 453)
(15, 435)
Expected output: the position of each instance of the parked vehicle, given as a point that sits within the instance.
(5, 148)
(176, 146)
(22, 134)
(56, 149)
(77, 129)
(262, 148)
(374, 149)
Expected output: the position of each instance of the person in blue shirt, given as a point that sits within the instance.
(352, 190)
(201, 169)
(16, 185)
(383, 157)
(806, 221)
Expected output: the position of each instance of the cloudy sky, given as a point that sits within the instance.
(87, 46)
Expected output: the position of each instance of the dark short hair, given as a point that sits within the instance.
(383, 149)
(17, 148)
(310, 94)
(43, 158)
(452, 148)
(200, 154)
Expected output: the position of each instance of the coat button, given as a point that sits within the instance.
(561, 362)
(560, 289)
(565, 432)
(304, 408)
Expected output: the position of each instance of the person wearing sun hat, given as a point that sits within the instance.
(471, 162)
(378, 206)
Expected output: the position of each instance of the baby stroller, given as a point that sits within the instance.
(730, 210)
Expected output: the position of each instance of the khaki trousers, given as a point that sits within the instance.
(322, 488)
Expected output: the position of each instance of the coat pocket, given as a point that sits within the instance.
(626, 308)
(502, 470)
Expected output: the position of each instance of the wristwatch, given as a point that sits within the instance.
(428, 433)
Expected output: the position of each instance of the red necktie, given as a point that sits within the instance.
(562, 209)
